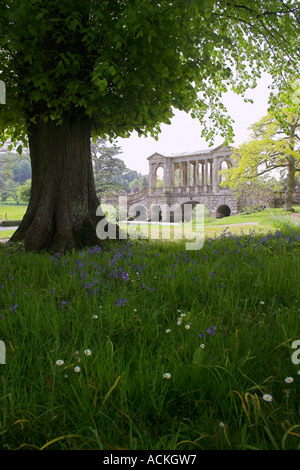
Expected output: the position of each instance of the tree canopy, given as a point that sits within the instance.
(128, 64)
(274, 146)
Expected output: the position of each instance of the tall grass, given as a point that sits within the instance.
(281, 221)
(219, 322)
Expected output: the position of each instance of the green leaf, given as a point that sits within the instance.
(199, 355)
(101, 83)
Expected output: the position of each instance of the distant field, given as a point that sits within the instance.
(11, 211)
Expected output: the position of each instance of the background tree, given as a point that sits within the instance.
(144, 182)
(128, 177)
(14, 170)
(108, 169)
(256, 194)
(24, 191)
(21, 169)
(10, 190)
(106, 68)
(135, 186)
(273, 147)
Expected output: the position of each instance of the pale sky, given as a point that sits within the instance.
(184, 133)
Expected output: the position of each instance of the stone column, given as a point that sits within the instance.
(166, 176)
(175, 168)
(185, 181)
(210, 174)
(180, 177)
(196, 176)
(188, 175)
(194, 170)
(151, 178)
(205, 176)
(170, 175)
(216, 170)
(202, 170)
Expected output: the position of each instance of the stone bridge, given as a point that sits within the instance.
(185, 178)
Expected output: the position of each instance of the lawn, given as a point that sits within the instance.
(147, 345)
(10, 211)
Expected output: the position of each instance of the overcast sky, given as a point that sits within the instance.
(184, 133)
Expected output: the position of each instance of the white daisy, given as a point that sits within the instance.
(87, 352)
(95, 317)
(168, 330)
(167, 375)
(289, 380)
(59, 362)
(77, 369)
(267, 397)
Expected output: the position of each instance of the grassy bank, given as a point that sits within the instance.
(149, 346)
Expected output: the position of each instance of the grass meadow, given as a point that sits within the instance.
(146, 345)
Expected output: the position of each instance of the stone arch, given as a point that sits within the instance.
(188, 214)
(159, 175)
(223, 211)
(156, 213)
(225, 164)
(206, 201)
(138, 211)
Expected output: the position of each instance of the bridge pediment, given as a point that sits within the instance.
(156, 157)
(223, 150)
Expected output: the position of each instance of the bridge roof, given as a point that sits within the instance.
(197, 152)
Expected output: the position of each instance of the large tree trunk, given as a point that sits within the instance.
(62, 209)
(288, 206)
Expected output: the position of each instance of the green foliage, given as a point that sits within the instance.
(22, 170)
(135, 186)
(25, 191)
(108, 169)
(273, 146)
(111, 174)
(144, 184)
(128, 64)
(10, 189)
(257, 193)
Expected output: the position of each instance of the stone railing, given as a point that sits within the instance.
(280, 199)
(131, 198)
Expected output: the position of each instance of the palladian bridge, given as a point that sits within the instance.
(185, 178)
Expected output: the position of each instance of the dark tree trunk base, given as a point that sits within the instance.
(61, 214)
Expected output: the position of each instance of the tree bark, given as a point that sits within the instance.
(288, 206)
(61, 213)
